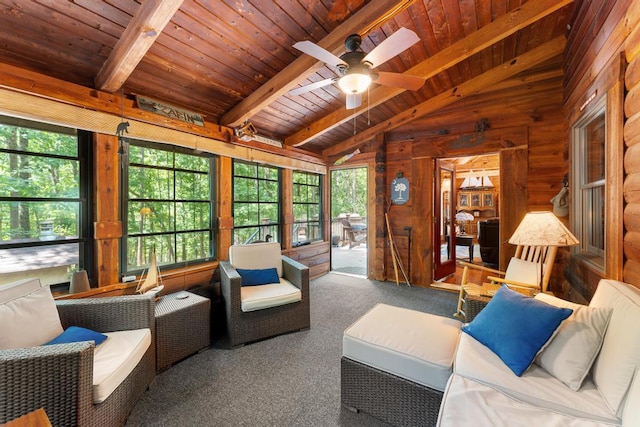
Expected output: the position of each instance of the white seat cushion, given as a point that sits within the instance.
(116, 358)
(619, 356)
(28, 315)
(523, 271)
(536, 386)
(467, 403)
(265, 296)
(631, 413)
(417, 346)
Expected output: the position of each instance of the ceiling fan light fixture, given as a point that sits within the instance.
(354, 83)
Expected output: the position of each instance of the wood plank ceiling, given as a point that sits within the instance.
(233, 60)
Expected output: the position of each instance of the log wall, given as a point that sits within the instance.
(603, 39)
(631, 238)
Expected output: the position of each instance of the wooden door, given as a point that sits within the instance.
(444, 230)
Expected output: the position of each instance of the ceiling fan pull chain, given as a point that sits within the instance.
(368, 106)
(355, 114)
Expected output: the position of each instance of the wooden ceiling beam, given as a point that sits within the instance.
(486, 36)
(137, 39)
(468, 88)
(372, 15)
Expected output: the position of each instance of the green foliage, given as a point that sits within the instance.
(169, 206)
(34, 168)
(349, 191)
(256, 201)
(306, 206)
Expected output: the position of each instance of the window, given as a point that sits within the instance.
(169, 193)
(307, 204)
(256, 203)
(589, 172)
(44, 209)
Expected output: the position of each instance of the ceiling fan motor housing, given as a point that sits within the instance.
(352, 42)
(354, 63)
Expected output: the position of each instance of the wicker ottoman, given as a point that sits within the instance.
(182, 327)
(396, 363)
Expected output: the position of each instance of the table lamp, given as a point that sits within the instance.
(542, 229)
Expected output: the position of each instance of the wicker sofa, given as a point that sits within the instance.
(60, 378)
(483, 391)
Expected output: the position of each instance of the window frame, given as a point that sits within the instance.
(584, 189)
(264, 230)
(611, 262)
(125, 200)
(308, 222)
(84, 239)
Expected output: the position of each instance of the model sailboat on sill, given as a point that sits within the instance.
(152, 283)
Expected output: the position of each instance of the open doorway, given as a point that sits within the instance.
(349, 220)
(473, 199)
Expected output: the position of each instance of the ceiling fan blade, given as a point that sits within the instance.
(354, 100)
(398, 42)
(311, 86)
(403, 81)
(317, 52)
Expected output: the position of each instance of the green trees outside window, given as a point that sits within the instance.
(168, 206)
(256, 203)
(43, 201)
(307, 207)
(349, 191)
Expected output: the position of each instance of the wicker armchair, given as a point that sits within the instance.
(59, 378)
(244, 327)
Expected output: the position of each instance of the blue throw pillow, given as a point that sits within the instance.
(515, 327)
(78, 334)
(258, 277)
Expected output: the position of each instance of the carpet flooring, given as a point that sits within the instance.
(289, 380)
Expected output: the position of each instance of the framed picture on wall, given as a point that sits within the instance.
(475, 199)
(463, 200)
(487, 199)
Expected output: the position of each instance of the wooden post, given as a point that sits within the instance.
(107, 227)
(377, 255)
(287, 208)
(225, 202)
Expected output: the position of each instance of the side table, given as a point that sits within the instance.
(182, 327)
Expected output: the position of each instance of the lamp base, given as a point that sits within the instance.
(79, 282)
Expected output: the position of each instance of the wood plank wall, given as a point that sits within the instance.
(602, 33)
(526, 115)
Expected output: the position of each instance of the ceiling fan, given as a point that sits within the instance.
(355, 67)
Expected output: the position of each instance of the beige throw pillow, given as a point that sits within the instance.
(28, 315)
(570, 354)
